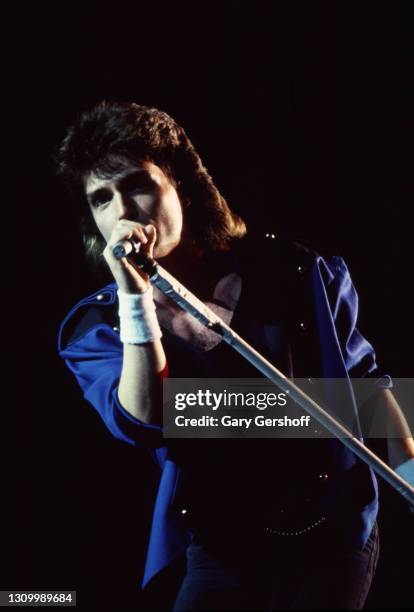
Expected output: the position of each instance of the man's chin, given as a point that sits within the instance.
(162, 250)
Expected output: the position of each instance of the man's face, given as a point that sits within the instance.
(141, 193)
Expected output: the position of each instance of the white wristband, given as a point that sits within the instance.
(137, 317)
(406, 471)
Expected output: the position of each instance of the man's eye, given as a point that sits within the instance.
(134, 189)
(140, 185)
(98, 202)
(137, 189)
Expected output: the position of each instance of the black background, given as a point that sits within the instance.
(301, 113)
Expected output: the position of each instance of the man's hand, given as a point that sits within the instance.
(130, 279)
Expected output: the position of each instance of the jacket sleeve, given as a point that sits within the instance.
(96, 361)
(358, 353)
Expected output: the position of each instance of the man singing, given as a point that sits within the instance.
(264, 524)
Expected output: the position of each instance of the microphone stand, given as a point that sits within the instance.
(169, 285)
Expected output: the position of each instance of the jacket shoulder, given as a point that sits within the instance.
(261, 249)
(97, 308)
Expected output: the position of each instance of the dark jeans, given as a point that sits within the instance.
(297, 573)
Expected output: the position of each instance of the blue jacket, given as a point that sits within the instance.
(324, 315)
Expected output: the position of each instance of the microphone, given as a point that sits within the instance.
(131, 249)
(125, 248)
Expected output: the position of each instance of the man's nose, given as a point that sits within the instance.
(126, 207)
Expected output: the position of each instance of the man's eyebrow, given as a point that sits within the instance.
(139, 173)
(123, 180)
